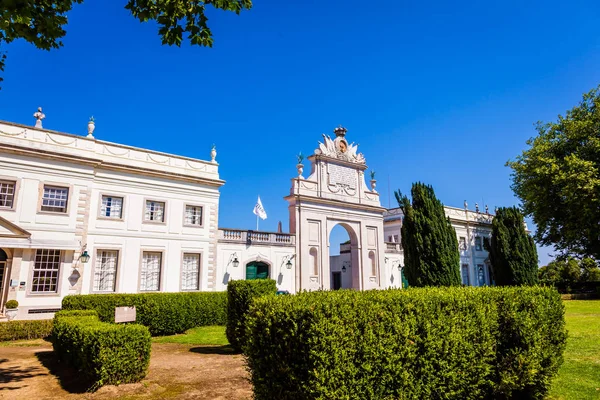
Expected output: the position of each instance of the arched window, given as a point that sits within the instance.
(257, 270)
(314, 260)
(373, 263)
(3, 256)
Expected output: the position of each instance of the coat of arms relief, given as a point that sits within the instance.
(339, 147)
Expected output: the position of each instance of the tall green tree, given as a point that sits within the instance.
(557, 180)
(42, 22)
(431, 256)
(513, 254)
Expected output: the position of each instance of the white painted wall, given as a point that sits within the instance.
(275, 256)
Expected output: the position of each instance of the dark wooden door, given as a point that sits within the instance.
(336, 280)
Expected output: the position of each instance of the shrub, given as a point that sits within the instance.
(162, 313)
(104, 353)
(430, 343)
(240, 295)
(25, 330)
(11, 304)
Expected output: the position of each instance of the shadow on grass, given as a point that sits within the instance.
(70, 379)
(223, 350)
(16, 374)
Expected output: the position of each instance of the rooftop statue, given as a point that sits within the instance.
(39, 116)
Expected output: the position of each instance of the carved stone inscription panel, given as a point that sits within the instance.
(342, 176)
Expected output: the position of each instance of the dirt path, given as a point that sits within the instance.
(176, 372)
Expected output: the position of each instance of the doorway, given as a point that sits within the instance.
(3, 277)
(257, 270)
(336, 280)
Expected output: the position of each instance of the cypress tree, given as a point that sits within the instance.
(513, 254)
(431, 256)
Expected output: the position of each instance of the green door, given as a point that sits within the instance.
(257, 270)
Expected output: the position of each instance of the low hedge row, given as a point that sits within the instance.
(429, 343)
(239, 297)
(162, 313)
(25, 330)
(104, 353)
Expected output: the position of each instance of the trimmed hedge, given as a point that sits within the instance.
(162, 313)
(240, 295)
(105, 354)
(25, 330)
(428, 343)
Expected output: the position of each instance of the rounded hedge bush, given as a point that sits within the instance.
(104, 353)
(11, 304)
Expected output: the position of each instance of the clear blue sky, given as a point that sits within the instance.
(440, 92)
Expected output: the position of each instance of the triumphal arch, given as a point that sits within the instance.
(335, 193)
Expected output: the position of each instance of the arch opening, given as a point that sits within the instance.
(343, 266)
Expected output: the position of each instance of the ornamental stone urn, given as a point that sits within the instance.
(213, 153)
(11, 309)
(373, 185)
(91, 127)
(300, 167)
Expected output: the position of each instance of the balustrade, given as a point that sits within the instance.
(256, 237)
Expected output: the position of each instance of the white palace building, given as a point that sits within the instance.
(80, 215)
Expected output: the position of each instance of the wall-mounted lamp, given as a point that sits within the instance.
(287, 260)
(344, 265)
(233, 260)
(84, 257)
(386, 260)
(400, 267)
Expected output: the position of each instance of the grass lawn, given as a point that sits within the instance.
(579, 376)
(203, 335)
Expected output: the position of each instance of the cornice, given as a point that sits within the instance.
(97, 163)
(329, 202)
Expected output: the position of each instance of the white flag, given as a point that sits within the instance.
(260, 210)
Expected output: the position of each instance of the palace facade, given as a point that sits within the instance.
(80, 215)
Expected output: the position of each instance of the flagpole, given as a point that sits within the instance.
(257, 222)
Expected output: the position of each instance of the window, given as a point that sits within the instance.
(193, 215)
(55, 199)
(45, 271)
(190, 272)
(478, 243)
(396, 238)
(155, 211)
(7, 194)
(150, 274)
(465, 274)
(111, 207)
(105, 271)
(390, 239)
(462, 243)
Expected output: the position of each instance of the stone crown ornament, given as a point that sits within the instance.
(339, 147)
